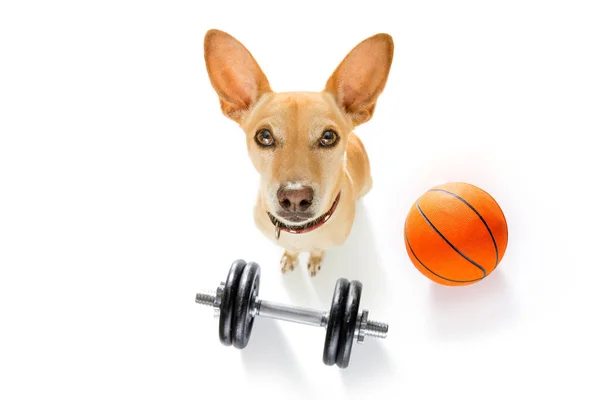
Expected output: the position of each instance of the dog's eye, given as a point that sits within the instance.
(328, 139)
(264, 138)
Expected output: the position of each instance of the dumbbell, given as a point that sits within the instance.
(236, 304)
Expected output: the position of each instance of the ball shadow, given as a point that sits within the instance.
(269, 353)
(460, 312)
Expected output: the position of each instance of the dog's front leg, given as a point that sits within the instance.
(314, 261)
(289, 260)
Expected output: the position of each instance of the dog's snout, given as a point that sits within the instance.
(295, 199)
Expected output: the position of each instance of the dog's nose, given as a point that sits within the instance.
(296, 199)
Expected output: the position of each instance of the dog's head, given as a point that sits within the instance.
(297, 141)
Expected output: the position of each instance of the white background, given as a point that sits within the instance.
(124, 191)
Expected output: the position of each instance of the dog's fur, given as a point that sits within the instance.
(296, 122)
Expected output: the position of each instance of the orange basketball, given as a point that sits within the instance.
(455, 234)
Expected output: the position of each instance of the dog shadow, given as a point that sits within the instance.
(357, 259)
(269, 353)
(462, 312)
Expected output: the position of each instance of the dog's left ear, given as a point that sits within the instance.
(360, 78)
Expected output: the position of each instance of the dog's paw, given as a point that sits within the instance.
(314, 262)
(288, 262)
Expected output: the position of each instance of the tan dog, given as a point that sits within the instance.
(312, 166)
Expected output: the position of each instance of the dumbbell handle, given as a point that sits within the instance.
(299, 315)
(284, 312)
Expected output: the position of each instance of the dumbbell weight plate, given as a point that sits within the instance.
(350, 316)
(334, 323)
(247, 291)
(228, 301)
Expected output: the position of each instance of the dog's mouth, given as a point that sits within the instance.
(307, 227)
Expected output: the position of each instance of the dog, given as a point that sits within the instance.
(312, 166)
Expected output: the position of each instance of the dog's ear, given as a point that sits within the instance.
(234, 73)
(361, 76)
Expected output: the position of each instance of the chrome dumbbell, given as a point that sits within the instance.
(237, 304)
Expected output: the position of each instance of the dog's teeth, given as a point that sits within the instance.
(326, 217)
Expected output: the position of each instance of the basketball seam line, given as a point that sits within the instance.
(450, 244)
(427, 268)
(479, 215)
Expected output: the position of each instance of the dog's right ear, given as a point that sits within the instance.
(234, 74)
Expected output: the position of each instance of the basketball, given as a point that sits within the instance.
(456, 234)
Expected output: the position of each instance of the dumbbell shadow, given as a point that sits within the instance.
(268, 352)
(370, 362)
